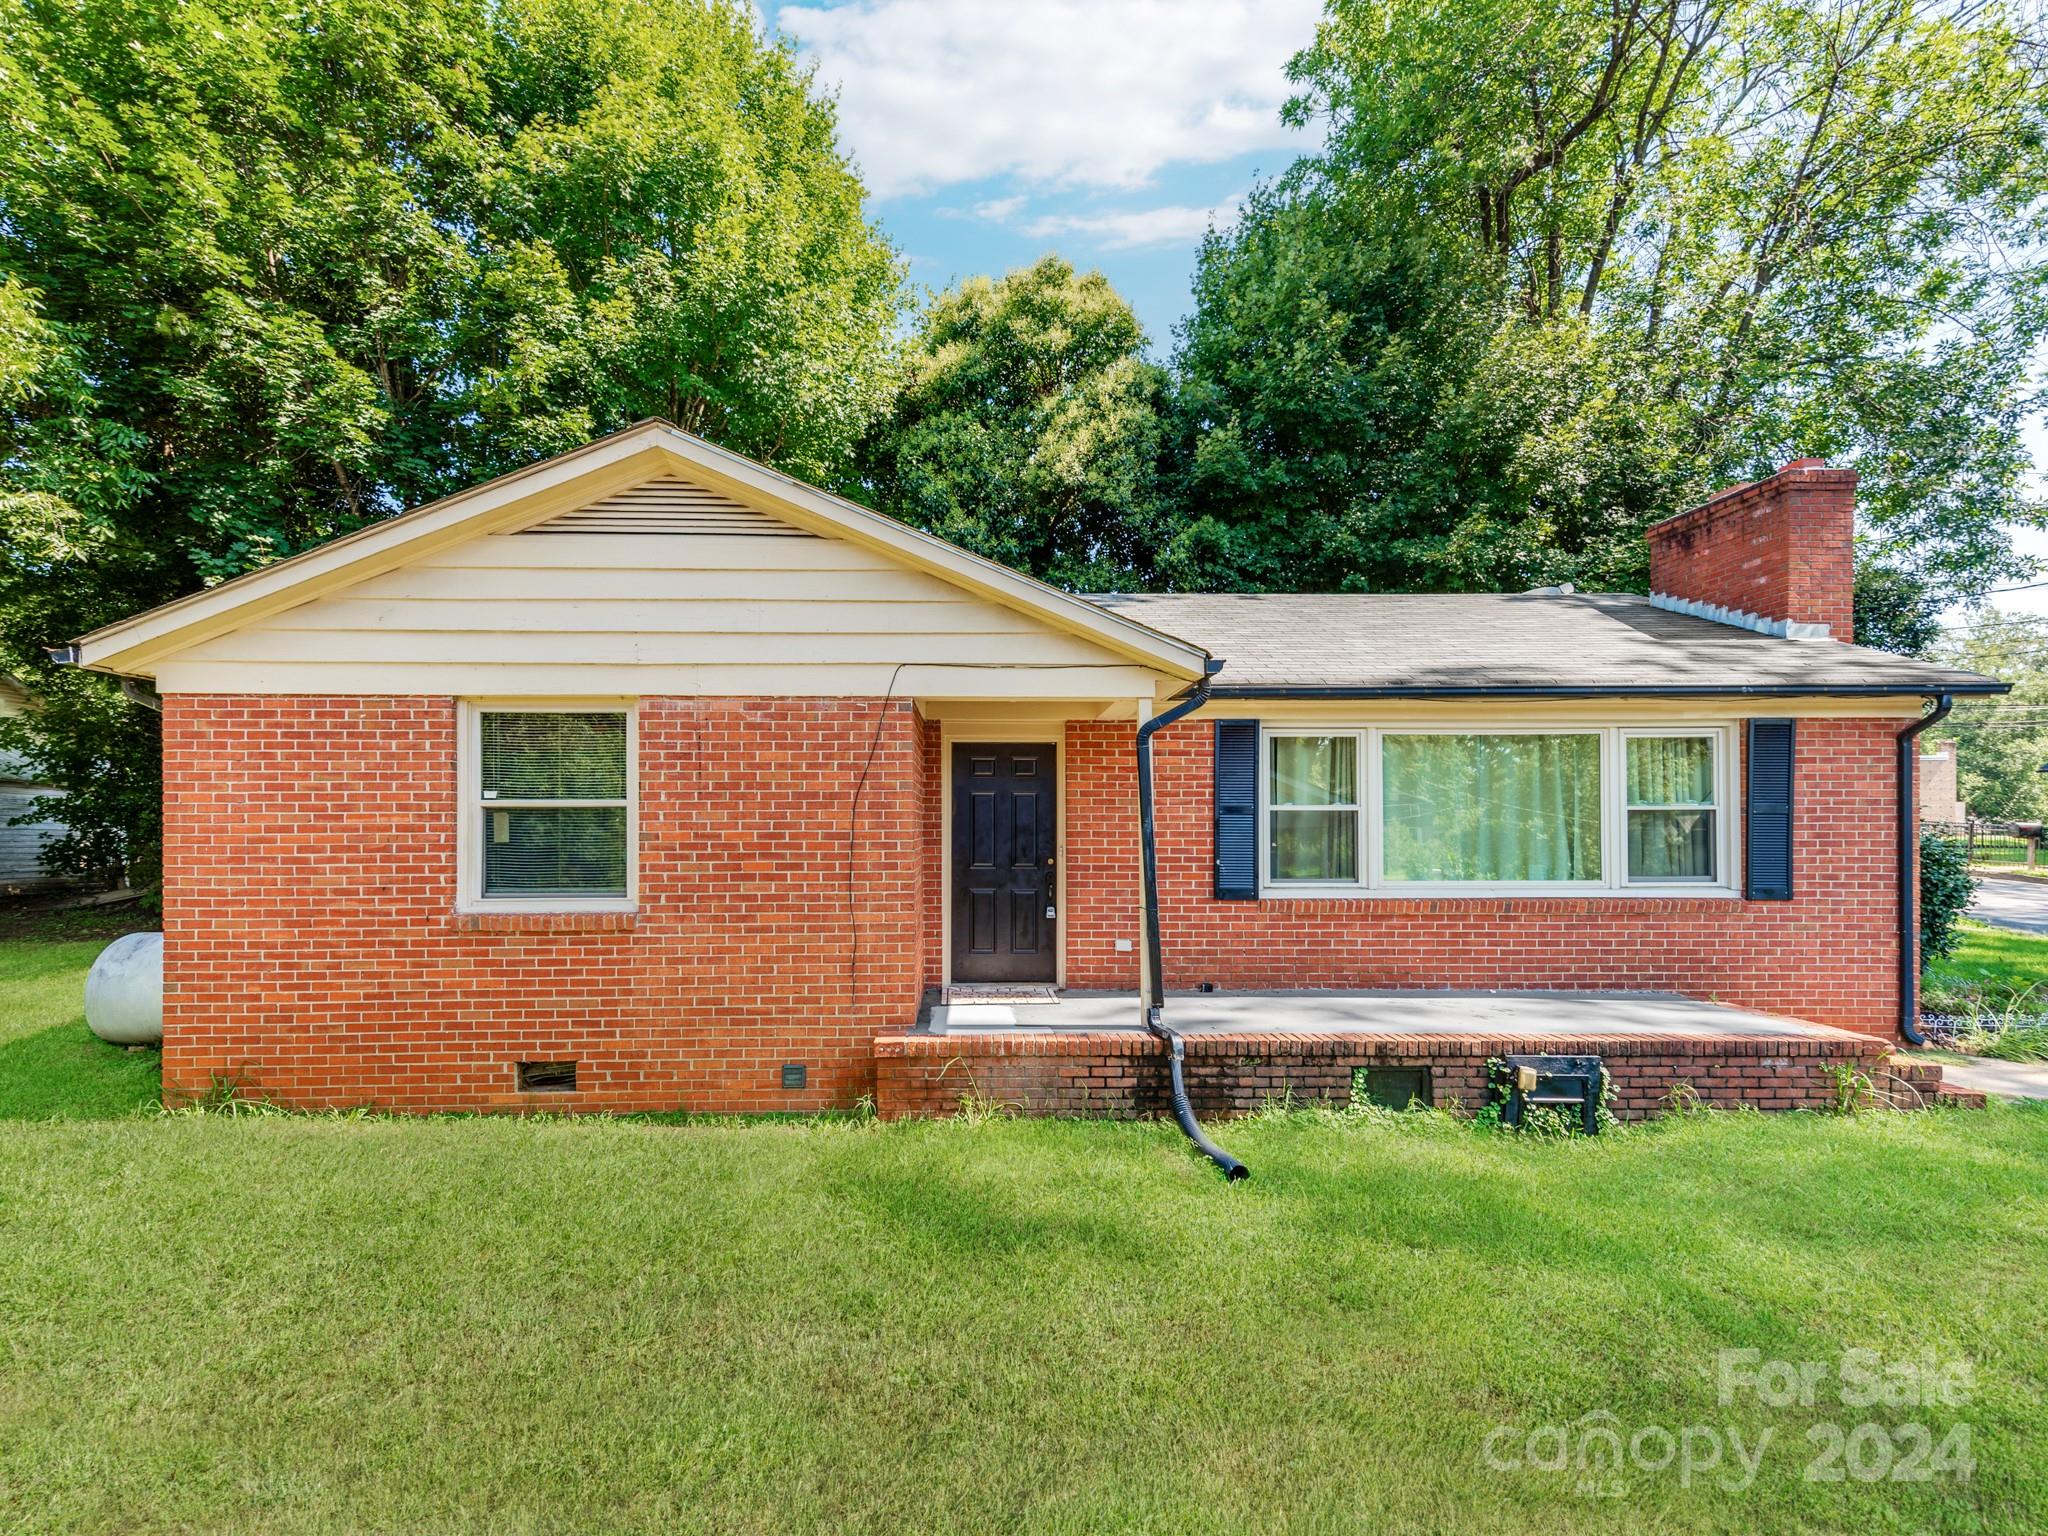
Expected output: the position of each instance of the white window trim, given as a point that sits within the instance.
(1364, 813)
(1723, 807)
(471, 807)
(1372, 883)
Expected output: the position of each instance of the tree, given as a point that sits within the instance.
(269, 274)
(1894, 611)
(1572, 266)
(1028, 428)
(2001, 742)
(1354, 413)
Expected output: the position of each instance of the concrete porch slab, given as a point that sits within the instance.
(1984, 1074)
(1534, 1017)
(1087, 1054)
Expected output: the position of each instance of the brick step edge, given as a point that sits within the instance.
(1926, 1078)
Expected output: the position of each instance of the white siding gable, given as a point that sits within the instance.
(667, 587)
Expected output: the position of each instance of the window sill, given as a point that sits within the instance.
(553, 920)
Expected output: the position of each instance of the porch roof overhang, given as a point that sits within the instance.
(1545, 691)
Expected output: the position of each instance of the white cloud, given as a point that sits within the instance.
(1055, 92)
(1128, 229)
(999, 210)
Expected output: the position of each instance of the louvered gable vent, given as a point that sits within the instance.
(670, 506)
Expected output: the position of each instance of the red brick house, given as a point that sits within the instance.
(648, 778)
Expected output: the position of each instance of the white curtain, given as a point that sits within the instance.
(1318, 840)
(1491, 808)
(1671, 840)
(1670, 770)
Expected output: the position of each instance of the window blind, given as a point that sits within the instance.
(552, 786)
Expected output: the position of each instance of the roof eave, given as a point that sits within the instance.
(1981, 687)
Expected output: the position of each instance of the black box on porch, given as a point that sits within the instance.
(1569, 1083)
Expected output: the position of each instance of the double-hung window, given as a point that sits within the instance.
(1315, 810)
(550, 807)
(1674, 831)
(1564, 809)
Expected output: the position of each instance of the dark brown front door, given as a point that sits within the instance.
(1005, 827)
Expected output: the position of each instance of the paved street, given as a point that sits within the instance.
(2021, 904)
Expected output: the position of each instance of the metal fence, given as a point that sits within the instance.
(1995, 843)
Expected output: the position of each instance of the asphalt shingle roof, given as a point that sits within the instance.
(1511, 642)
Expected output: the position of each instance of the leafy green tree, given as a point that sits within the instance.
(1028, 428)
(1354, 417)
(1559, 269)
(268, 274)
(1894, 611)
(2001, 743)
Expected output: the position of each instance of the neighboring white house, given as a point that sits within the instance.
(20, 847)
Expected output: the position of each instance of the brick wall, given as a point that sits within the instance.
(1783, 548)
(1829, 955)
(1102, 849)
(313, 952)
(1124, 1076)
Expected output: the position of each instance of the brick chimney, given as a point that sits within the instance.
(1775, 555)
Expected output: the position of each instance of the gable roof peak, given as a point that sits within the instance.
(649, 450)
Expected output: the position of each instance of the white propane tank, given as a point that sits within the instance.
(124, 991)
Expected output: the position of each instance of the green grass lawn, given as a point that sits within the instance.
(316, 1323)
(1992, 968)
(51, 1065)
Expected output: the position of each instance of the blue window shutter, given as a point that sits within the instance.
(1767, 839)
(1237, 810)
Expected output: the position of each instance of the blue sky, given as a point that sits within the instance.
(1145, 243)
(1111, 131)
(994, 131)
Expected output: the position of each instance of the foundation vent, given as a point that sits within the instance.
(546, 1076)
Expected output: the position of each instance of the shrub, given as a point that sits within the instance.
(1946, 886)
(2010, 1036)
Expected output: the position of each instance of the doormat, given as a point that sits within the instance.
(1001, 995)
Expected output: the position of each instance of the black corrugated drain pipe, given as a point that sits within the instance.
(1909, 884)
(1155, 1001)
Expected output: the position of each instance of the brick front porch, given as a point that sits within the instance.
(1087, 1054)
